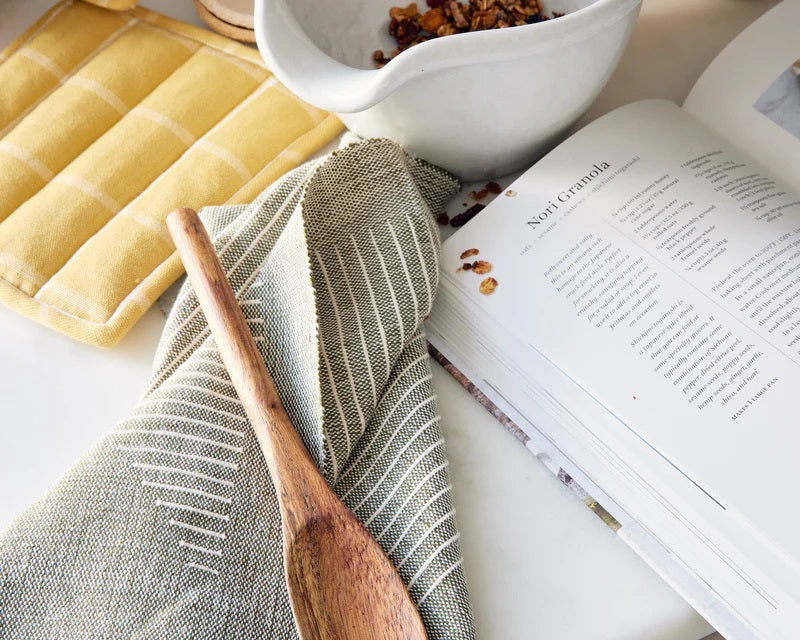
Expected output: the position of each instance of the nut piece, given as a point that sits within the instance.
(488, 285)
(483, 20)
(458, 15)
(469, 252)
(481, 266)
(443, 219)
(467, 266)
(493, 187)
(433, 19)
(446, 30)
(401, 13)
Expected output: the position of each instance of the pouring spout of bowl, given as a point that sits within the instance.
(309, 72)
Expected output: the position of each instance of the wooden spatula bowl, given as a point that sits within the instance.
(341, 584)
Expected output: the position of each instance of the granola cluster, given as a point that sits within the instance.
(465, 216)
(488, 285)
(446, 17)
(481, 267)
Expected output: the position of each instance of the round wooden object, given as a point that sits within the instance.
(222, 27)
(239, 13)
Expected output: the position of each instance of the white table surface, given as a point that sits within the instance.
(540, 564)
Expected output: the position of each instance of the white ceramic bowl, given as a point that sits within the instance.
(480, 104)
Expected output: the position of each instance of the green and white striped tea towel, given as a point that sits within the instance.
(169, 526)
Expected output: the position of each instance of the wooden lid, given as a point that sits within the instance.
(219, 25)
(239, 13)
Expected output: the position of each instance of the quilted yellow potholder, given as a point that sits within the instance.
(108, 121)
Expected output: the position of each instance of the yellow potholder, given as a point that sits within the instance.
(108, 121)
(117, 5)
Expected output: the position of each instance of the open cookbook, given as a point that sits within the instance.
(634, 308)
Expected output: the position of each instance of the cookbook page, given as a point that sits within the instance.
(751, 92)
(653, 263)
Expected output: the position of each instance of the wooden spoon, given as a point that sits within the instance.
(341, 584)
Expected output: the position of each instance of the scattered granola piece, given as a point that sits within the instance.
(481, 266)
(511, 193)
(467, 266)
(443, 219)
(479, 195)
(465, 216)
(493, 187)
(469, 252)
(488, 285)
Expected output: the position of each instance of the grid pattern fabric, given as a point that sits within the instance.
(109, 120)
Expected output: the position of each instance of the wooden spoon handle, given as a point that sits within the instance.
(287, 458)
(341, 584)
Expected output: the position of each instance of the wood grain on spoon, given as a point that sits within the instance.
(341, 584)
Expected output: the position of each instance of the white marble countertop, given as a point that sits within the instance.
(540, 564)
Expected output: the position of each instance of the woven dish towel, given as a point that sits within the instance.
(109, 120)
(169, 526)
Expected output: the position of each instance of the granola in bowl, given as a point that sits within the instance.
(408, 26)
